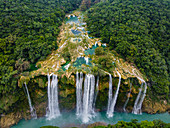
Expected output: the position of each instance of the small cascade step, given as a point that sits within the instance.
(53, 105)
(32, 109)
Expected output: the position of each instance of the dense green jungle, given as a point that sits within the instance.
(113, 45)
(122, 124)
(139, 31)
(28, 33)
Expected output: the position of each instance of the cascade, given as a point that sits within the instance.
(97, 90)
(85, 101)
(67, 66)
(57, 65)
(88, 98)
(63, 44)
(53, 107)
(79, 82)
(110, 94)
(87, 60)
(32, 109)
(96, 44)
(140, 98)
(85, 115)
(135, 108)
(124, 107)
(92, 90)
(113, 103)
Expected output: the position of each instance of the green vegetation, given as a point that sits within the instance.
(85, 4)
(28, 33)
(99, 51)
(103, 59)
(49, 127)
(139, 31)
(142, 124)
(132, 124)
(135, 124)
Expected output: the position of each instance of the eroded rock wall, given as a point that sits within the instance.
(15, 106)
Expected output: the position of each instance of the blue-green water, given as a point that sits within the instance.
(77, 40)
(75, 32)
(72, 19)
(90, 51)
(80, 61)
(63, 66)
(70, 118)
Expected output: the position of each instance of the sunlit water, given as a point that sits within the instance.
(72, 19)
(70, 119)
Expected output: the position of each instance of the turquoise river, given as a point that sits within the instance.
(70, 119)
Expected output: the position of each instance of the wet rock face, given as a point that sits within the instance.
(8, 120)
(67, 99)
(97, 124)
(41, 109)
(152, 107)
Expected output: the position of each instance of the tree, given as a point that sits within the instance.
(99, 51)
(22, 65)
(85, 4)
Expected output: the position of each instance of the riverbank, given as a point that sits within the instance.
(69, 119)
(65, 62)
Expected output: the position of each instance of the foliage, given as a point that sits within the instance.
(139, 31)
(103, 59)
(105, 62)
(66, 54)
(99, 51)
(142, 124)
(132, 124)
(22, 65)
(49, 127)
(28, 33)
(85, 4)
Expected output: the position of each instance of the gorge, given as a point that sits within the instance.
(81, 81)
(85, 92)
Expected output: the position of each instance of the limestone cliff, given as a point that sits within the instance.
(77, 52)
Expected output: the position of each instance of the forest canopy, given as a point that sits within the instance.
(28, 32)
(132, 124)
(139, 31)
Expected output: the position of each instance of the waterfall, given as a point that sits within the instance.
(85, 115)
(53, 107)
(92, 90)
(110, 94)
(67, 66)
(140, 98)
(124, 107)
(79, 82)
(87, 60)
(32, 109)
(136, 110)
(96, 44)
(63, 44)
(97, 90)
(138, 104)
(88, 98)
(112, 106)
(85, 101)
(104, 44)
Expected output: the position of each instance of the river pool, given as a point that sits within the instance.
(70, 119)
